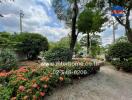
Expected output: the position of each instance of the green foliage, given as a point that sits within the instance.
(77, 47)
(6, 40)
(95, 44)
(85, 21)
(95, 40)
(127, 5)
(8, 59)
(58, 54)
(122, 39)
(126, 65)
(37, 82)
(116, 64)
(52, 45)
(120, 55)
(65, 42)
(5, 93)
(95, 50)
(121, 50)
(91, 21)
(31, 44)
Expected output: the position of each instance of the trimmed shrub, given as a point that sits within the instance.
(120, 55)
(116, 63)
(58, 54)
(121, 50)
(8, 59)
(127, 65)
(31, 44)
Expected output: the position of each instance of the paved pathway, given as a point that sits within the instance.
(108, 84)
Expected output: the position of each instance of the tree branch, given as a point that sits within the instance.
(119, 21)
(127, 18)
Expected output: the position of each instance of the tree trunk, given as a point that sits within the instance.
(129, 34)
(88, 43)
(74, 18)
(128, 26)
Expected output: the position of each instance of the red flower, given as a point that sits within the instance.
(35, 85)
(45, 86)
(45, 78)
(42, 94)
(21, 88)
(22, 78)
(22, 67)
(3, 74)
(22, 70)
(38, 87)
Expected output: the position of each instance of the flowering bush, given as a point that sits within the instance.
(34, 83)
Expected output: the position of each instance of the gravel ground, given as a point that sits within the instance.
(108, 84)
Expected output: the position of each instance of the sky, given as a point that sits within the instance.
(39, 17)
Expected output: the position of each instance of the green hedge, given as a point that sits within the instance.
(31, 44)
(120, 54)
(126, 65)
(121, 50)
(58, 54)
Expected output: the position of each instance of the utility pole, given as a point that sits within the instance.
(114, 26)
(114, 32)
(21, 16)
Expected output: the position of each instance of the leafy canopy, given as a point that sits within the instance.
(31, 44)
(90, 20)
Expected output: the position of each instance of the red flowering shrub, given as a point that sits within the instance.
(34, 83)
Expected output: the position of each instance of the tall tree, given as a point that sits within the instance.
(69, 14)
(68, 10)
(95, 39)
(90, 21)
(122, 20)
(95, 44)
(74, 19)
(125, 20)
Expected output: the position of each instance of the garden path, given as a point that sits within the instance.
(108, 84)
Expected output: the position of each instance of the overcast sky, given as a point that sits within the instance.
(39, 17)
